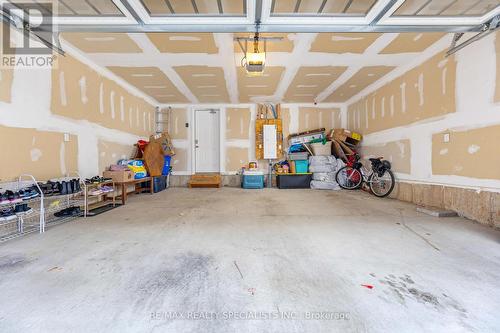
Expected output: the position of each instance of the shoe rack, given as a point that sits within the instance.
(43, 207)
(26, 222)
(94, 201)
(56, 203)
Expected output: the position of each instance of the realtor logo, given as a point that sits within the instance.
(20, 46)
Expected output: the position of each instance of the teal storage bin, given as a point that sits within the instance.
(302, 166)
(252, 181)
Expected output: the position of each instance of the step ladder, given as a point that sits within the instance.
(205, 181)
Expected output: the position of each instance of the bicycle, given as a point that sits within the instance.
(380, 179)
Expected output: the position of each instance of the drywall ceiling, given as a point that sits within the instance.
(176, 68)
(130, 35)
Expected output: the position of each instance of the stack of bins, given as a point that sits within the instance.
(299, 176)
(299, 162)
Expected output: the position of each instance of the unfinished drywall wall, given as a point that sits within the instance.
(43, 154)
(236, 158)
(443, 113)
(311, 118)
(79, 92)
(238, 123)
(397, 152)
(53, 120)
(180, 160)
(179, 119)
(237, 141)
(424, 92)
(111, 152)
(6, 76)
(471, 153)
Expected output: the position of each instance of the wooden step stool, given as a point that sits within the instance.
(205, 181)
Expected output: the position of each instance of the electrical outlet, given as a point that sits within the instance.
(66, 137)
(446, 138)
(187, 125)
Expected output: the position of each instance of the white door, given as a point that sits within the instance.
(207, 141)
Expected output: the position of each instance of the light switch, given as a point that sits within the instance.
(446, 138)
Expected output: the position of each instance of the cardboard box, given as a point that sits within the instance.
(119, 176)
(344, 135)
(165, 141)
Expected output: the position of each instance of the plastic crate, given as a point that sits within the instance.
(160, 183)
(252, 181)
(301, 166)
(294, 181)
(298, 156)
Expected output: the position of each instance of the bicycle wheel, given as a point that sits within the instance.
(349, 178)
(382, 186)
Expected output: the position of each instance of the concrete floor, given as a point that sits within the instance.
(296, 260)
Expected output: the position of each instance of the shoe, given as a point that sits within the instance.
(75, 211)
(13, 197)
(8, 214)
(24, 194)
(4, 198)
(33, 192)
(70, 211)
(78, 187)
(106, 189)
(19, 209)
(63, 188)
(23, 209)
(46, 189)
(97, 191)
(55, 188)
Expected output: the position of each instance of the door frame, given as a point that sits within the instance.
(222, 135)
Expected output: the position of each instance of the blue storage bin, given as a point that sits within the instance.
(252, 181)
(302, 166)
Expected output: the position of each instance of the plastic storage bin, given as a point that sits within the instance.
(252, 180)
(298, 156)
(160, 183)
(320, 149)
(302, 166)
(294, 181)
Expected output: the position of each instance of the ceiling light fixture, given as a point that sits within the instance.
(254, 59)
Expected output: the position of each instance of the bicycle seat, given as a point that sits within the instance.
(376, 159)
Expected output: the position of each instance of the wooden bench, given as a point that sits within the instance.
(137, 187)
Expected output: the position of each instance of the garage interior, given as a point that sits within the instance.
(153, 176)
